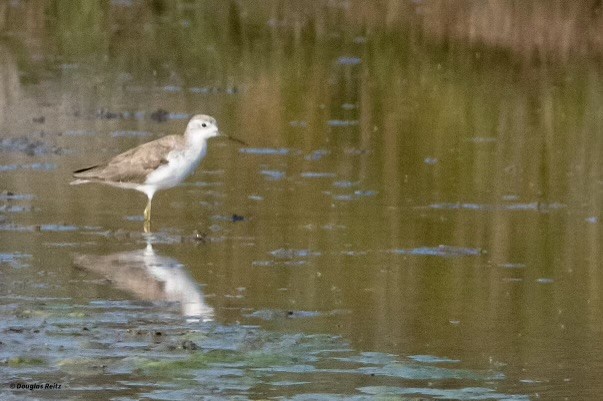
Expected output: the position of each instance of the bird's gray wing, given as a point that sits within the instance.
(133, 165)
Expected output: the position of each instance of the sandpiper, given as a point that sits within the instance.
(159, 164)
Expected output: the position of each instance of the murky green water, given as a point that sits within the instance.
(415, 217)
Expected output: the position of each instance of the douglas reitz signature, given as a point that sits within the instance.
(35, 386)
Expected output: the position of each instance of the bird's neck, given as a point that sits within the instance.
(195, 143)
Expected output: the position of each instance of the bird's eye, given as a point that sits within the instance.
(204, 125)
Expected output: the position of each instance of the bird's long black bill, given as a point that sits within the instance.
(232, 138)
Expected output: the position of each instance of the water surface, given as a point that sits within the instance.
(417, 214)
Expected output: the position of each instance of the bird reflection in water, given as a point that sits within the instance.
(150, 277)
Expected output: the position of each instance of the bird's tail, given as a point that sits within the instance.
(78, 182)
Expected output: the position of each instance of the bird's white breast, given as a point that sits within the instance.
(180, 165)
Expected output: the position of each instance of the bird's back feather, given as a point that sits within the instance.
(134, 165)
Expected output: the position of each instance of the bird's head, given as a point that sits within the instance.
(202, 127)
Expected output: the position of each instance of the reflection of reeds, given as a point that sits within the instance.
(537, 29)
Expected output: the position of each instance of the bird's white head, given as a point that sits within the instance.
(202, 127)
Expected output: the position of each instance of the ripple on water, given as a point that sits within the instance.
(317, 154)
(536, 206)
(285, 257)
(432, 359)
(31, 166)
(298, 124)
(15, 209)
(5, 195)
(30, 147)
(206, 90)
(58, 227)
(442, 250)
(273, 314)
(285, 253)
(345, 184)
(265, 151)
(134, 218)
(349, 60)
(342, 123)
(317, 174)
(273, 175)
(42, 227)
(512, 265)
(79, 133)
(172, 89)
(466, 393)
(132, 134)
(15, 259)
(482, 139)
(354, 195)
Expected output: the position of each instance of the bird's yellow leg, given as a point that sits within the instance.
(147, 211)
(147, 218)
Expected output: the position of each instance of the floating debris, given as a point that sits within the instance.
(237, 217)
(160, 115)
(233, 218)
(104, 114)
(272, 314)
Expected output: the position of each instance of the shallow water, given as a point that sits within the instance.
(413, 217)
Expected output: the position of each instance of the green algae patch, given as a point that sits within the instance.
(20, 361)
